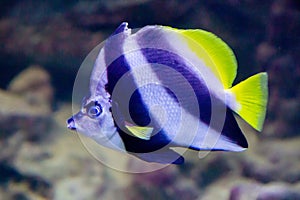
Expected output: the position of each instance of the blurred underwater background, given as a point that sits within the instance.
(43, 44)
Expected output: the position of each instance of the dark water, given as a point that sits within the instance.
(41, 159)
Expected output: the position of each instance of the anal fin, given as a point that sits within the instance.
(161, 156)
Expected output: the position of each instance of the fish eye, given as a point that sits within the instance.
(94, 109)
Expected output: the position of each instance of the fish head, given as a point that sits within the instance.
(95, 120)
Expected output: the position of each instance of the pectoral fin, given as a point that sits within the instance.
(142, 132)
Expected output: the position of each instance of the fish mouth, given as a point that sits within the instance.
(71, 124)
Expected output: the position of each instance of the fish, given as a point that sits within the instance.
(159, 88)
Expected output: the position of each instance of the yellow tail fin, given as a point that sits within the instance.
(251, 97)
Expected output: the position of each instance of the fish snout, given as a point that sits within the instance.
(71, 124)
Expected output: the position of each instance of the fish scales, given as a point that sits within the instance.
(161, 87)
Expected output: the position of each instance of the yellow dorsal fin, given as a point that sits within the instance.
(142, 132)
(216, 54)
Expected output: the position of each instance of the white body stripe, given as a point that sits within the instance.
(187, 134)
